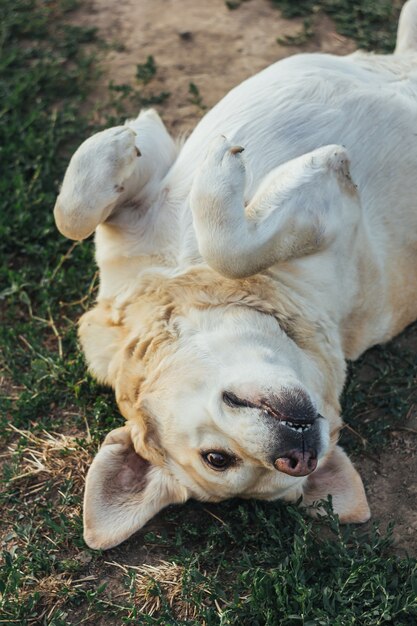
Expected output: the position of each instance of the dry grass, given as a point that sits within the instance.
(164, 583)
(48, 457)
(42, 466)
(53, 592)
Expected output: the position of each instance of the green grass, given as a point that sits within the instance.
(371, 23)
(236, 563)
(195, 96)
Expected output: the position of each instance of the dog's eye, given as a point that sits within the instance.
(230, 399)
(218, 460)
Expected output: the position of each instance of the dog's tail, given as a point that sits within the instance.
(407, 29)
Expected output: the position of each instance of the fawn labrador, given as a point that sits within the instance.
(238, 272)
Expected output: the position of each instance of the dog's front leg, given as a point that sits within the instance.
(98, 178)
(298, 209)
(109, 170)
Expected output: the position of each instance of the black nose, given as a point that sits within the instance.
(297, 463)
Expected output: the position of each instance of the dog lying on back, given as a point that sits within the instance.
(236, 276)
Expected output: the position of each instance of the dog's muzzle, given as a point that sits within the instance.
(296, 431)
(295, 440)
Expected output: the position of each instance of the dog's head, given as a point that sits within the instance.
(224, 396)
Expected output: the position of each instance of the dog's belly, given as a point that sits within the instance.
(367, 106)
(308, 101)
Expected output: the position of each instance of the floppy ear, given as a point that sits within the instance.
(337, 476)
(123, 491)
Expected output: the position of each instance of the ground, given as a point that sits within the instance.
(235, 563)
(203, 43)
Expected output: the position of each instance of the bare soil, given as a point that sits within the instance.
(215, 48)
(200, 42)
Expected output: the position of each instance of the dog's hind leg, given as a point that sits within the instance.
(407, 29)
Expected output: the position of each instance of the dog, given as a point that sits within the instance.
(238, 272)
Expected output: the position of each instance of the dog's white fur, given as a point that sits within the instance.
(258, 272)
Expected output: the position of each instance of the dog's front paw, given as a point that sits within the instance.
(115, 155)
(223, 167)
(95, 181)
(218, 187)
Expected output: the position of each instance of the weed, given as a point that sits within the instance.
(125, 97)
(196, 98)
(146, 71)
(233, 4)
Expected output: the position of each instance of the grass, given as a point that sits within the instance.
(236, 563)
(195, 96)
(371, 23)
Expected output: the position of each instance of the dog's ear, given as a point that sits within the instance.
(123, 491)
(337, 477)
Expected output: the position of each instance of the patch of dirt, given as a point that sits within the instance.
(390, 483)
(207, 44)
(200, 42)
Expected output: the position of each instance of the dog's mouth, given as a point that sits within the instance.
(296, 426)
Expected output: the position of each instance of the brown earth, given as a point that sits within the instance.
(215, 48)
(200, 42)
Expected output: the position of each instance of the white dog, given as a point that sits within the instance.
(233, 285)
